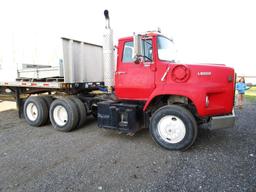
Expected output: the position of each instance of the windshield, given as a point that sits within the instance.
(166, 49)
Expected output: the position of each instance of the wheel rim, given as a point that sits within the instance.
(60, 115)
(32, 111)
(171, 129)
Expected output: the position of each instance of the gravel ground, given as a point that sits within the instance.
(93, 159)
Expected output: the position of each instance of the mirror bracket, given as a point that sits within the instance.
(138, 48)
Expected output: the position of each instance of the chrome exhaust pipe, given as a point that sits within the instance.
(108, 54)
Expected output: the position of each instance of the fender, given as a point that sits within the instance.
(195, 94)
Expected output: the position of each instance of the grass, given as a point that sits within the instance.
(250, 94)
(251, 91)
(250, 98)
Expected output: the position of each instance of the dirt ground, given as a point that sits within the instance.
(93, 159)
(7, 105)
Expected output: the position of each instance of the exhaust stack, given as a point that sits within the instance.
(108, 54)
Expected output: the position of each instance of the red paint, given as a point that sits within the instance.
(180, 73)
(143, 82)
(133, 81)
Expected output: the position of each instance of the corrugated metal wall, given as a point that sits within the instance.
(83, 62)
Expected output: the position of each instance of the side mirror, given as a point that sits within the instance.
(138, 49)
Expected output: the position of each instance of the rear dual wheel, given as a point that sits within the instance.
(67, 114)
(36, 109)
(82, 111)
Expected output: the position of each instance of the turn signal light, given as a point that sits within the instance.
(207, 101)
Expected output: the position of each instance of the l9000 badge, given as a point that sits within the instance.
(205, 73)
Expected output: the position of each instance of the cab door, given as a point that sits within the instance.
(135, 81)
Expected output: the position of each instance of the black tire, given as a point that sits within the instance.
(95, 115)
(70, 109)
(81, 109)
(41, 116)
(177, 114)
(48, 99)
(94, 111)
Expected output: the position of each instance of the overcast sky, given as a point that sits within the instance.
(216, 31)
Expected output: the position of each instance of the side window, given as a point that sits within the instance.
(128, 52)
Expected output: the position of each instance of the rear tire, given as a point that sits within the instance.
(35, 111)
(64, 114)
(81, 109)
(173, 127)
(48, 99)
(94, 111)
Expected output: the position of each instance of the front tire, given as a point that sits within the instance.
(173, 127)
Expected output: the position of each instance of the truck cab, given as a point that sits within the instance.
(154, 73)
(171, 99)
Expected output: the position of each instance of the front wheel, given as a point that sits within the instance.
(173, 127)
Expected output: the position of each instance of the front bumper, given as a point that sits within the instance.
(226, 121)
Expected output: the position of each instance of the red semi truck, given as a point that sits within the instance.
(150, 91)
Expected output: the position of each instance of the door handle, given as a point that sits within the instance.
(121, 72)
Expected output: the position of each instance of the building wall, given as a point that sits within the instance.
(18, 49)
